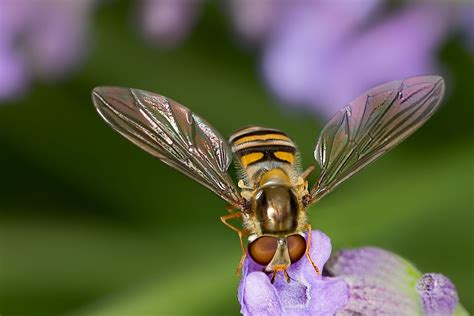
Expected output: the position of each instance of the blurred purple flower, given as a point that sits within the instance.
(323, 53)
(466, 19)
(13, 76)
(365, 281)
(254, 20)
(41, 38)
(320, 54)
(167, 22)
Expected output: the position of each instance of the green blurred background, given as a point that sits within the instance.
(91, 225)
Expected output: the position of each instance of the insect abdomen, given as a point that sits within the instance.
(255, 144)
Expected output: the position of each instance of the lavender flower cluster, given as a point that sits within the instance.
(365, 281)
(42, 39)
(314, 53)
(318, 54)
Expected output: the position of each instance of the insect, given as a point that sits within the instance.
(272, 193)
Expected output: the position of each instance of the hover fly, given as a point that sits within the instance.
(273, 193)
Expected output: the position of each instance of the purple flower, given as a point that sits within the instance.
(13, 77)
(168, 22)
(437, 293)
(319, 54)
(254, 20)
(324, 53)
(365, 281)
(305, 294)
(466, 19)
(42, 38)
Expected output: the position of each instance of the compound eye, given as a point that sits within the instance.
(263, 249)
(296, 247)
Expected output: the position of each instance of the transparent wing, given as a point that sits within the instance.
(371, 125)
(170, 132)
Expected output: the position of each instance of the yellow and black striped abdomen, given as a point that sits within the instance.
(255, 144)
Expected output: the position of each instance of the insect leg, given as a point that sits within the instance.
(307, 172)
(285, 273)
(308, 247)
(240, 232)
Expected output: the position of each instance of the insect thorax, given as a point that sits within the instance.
(270, 168)
(276, 205)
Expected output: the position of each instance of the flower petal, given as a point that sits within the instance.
(292, 294)
(379, 282)
(369, 261)
(328, 296)
(306, 294)
(382, 283)
(320, 250)
(438, 294)
(257, 296)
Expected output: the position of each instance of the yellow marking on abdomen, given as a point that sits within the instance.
(285, 156)
(250, 158)
(260, 137)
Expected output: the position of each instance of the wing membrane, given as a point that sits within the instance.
(371, 125)
(170, 132)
